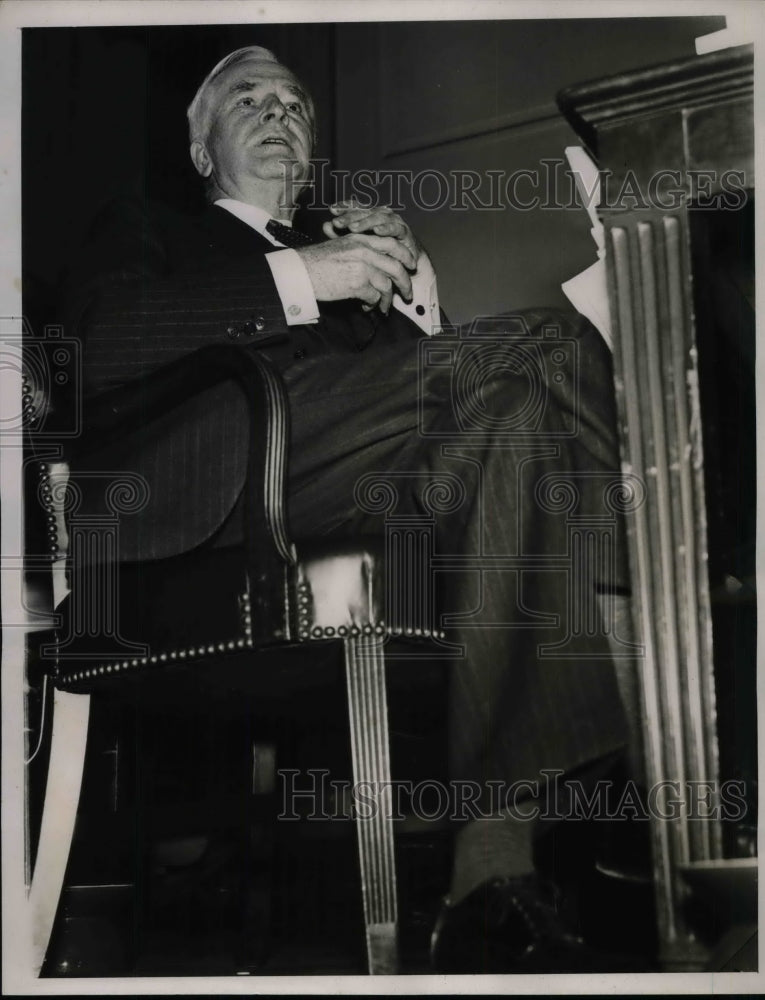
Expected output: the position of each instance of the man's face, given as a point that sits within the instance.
(259, 117)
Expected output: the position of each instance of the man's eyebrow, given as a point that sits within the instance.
(242, 85)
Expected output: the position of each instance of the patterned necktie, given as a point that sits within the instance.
(290, 237)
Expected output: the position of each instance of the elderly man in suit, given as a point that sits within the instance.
(342, 320)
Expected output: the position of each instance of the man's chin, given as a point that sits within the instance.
(282, 167)
(268, 156)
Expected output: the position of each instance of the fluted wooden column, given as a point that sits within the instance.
(658, 402)
(690, 124)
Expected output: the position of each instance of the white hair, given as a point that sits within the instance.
(199, 109)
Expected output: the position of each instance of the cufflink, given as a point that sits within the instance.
(294, 310)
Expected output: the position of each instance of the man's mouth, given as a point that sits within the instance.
(274, 140)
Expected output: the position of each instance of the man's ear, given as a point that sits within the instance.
(201, 158)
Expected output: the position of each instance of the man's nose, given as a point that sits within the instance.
(273, 109)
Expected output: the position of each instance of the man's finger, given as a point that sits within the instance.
(382, 221)
(364, 219)
(388, 245)
(405, 236)
(382, 283)
(349, 203)
(369, 295)
(390, 227)
(393, 269)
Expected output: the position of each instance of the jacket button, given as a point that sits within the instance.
(233, 332)
(299, 355)
(260, 323)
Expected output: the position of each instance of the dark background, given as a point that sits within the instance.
(104, 114)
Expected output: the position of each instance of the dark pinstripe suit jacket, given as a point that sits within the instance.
(152, 286)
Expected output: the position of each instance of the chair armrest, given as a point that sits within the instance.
(132, 408)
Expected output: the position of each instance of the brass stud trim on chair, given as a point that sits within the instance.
(230, 645)
(46, 494)
(305, 633)
(341, 631)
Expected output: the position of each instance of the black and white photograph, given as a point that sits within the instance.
(378, 454)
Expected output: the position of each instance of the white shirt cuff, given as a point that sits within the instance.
(293, 286)
(423, 309)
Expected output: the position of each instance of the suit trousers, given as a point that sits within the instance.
(530, 691)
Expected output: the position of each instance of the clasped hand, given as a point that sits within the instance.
(370, 262)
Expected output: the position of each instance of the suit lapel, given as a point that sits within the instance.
(226, 234)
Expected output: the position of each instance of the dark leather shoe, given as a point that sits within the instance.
(512, 925)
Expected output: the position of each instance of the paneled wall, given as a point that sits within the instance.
(480, 96)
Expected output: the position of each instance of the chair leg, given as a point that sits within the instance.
(62, 796)
(368, 712)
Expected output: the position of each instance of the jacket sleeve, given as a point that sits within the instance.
(134, 311)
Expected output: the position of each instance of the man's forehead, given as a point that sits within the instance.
(255, 69)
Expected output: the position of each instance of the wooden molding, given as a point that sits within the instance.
(710, 79)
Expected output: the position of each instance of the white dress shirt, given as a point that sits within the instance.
(294, 288)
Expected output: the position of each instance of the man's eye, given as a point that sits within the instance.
(296, 107)
(245, 102)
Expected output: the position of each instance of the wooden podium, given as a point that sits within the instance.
(674, 144)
